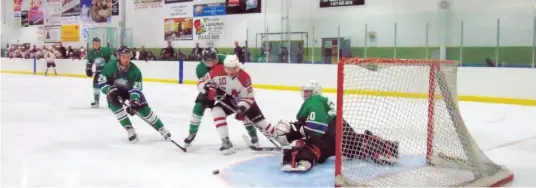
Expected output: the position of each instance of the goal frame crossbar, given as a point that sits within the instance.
(436, 79)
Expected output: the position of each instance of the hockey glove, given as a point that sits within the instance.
(211, 92)
(89, 72)
(134, 106)
(241, 113)
(114, 96)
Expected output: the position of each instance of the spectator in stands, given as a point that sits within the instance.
(62, 50)
(34, 49)
(283, 57)
(135, 54)
(143, 54)
(181, 55)
(150, 56)
(196, 52)
(169, 52)
(299, 54)
(247, 55)
(70, 52)
(239, 52)
(83, 53)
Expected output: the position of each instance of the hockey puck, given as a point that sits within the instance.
(215, 172)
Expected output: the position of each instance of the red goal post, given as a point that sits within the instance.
(414, 102)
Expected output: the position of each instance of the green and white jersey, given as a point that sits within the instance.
(99, 57)
(318, 112)
(129, 79)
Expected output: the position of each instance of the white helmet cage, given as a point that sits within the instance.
(313, 86)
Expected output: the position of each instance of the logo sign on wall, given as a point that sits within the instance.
(35, 13)
(181, 10)
(176, 1)
(24, 18)
(242, 6)
(53, 12)
(214, 9)
(96, 11)
(70, 33)
(17, 5)
(178, 29)
(209, 28)
(340, 3)
(52, 34)
(115, 7)
(71, 11)
(140, 4)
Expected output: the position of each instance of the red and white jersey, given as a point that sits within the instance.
(239, 88)
(49, 56)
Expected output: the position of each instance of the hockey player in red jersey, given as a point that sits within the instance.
(232, 87)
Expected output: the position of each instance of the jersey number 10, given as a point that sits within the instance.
(223, 81)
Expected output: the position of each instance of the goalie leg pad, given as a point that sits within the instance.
(300, 159)
(377, 150)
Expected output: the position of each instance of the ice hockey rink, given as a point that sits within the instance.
(50, 137)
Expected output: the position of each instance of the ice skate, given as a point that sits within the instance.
(227, 147)
(132, 136)
(255, 141)
(94, 104)
(164, 132)
(188, 140)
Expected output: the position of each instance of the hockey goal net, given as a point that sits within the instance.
(414, 103)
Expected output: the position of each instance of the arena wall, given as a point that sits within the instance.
(491, 85)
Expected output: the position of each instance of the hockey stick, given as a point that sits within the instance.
(128, 106)
(254, 148)
(224, 104)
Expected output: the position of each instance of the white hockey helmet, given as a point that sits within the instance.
(231, 64)
(310, 89)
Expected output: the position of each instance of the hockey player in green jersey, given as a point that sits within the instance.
(121, 80)
(97, 56)
(210, 58)
(311, 139)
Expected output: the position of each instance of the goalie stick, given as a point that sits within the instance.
(252, 147)
(277, 147)
(132, 114)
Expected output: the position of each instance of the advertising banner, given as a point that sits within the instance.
(36, 12)
(181, 10)
(209, 30)
(71, 11)
(176, 1)
(53, 12)
(178, 29)
(70, 33)
(242, 6)
(213, 9)
(52, 34)
(340, 3)
(96, 11)
(141, 4)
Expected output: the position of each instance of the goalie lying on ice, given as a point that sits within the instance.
(311, 140)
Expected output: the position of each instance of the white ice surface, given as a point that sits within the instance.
(50, 136)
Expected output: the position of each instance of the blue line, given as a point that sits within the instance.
(181, 71)
(34, 65)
